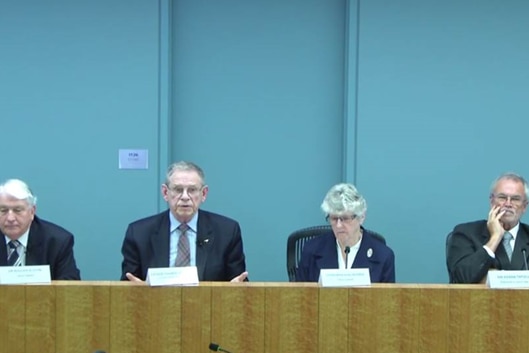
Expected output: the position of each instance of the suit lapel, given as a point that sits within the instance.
(160, 242)
(205, 240)
(3, 252)
(327, 254)
(522, 242)
(34, 249)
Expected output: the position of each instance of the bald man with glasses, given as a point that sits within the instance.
(500, 242)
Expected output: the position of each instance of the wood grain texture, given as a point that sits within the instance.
(333, 320)
(40, 318)
(121, 317)
(83, 318)
(13, 319)
(291, 319)
(238, 318)
(383, 320)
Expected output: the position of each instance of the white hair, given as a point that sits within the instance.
(19, 190)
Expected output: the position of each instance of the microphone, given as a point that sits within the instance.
(216, 348)
(347, 249)
(524, 252)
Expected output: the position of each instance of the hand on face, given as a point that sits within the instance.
(508, 198)
(494, 223)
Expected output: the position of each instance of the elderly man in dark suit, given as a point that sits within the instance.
(185, 235)
(500, 242)
(30, 240)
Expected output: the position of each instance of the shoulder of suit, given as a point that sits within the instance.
(151, 219)
(214, 216)
(473, 224)
(374, 242)
(46, 227)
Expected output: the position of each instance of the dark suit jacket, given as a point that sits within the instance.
(469, 262)
(49, 244)
(320, 252)
(220, 258)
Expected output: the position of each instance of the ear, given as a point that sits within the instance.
(362, 219)
(205, 190)
(165, 191)
(33, 211)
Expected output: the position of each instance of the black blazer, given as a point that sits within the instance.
(468, 262)
(49, 244)
(219, 251)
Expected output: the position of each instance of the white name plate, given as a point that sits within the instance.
(354, 277)
(25, 274)
(172, 276)
(508, 279)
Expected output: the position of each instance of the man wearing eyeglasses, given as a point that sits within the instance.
(500, 242)
(185, 235)
(349, 245)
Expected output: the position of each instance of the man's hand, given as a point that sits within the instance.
(241, 277)
(133, 278)
(495, 227)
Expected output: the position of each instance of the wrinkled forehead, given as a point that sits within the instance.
(186, 178)
(11, 201)
(510, 187)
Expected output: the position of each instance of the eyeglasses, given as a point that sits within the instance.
(343, 219)
(179, 190)
(515, 199)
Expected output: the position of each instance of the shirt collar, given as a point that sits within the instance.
(22, 240)
(514, 230)
(174, 223)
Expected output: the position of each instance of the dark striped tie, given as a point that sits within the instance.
(183, 256)
(12, 255)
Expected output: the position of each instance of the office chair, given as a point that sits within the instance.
(297, 240)
(447, 244)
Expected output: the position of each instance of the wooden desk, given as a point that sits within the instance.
(120, 317)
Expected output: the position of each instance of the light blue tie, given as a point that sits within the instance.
(507, 244)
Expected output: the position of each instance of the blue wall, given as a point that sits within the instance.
(79, 80)
(420, 103)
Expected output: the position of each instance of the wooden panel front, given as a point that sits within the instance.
(485, 320)
(13, 319)
(291, 319)
(433, 319)
(238, 318)
(83, 318)
(40, 318)
(333, 320)
(120, 317)
(384, 321)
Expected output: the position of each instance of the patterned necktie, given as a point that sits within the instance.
(183, 255)
(12, 255)
(507, 244)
